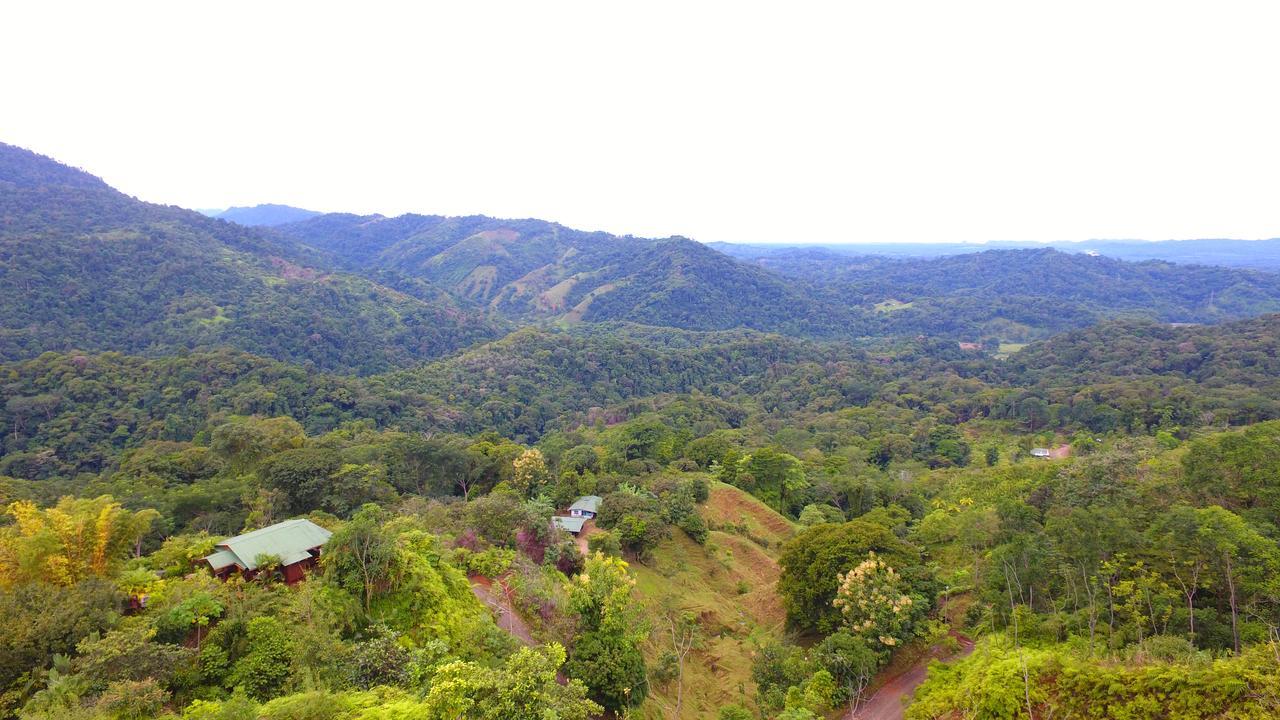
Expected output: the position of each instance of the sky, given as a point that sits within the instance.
(773, 122)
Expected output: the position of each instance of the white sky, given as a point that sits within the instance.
(780, 122)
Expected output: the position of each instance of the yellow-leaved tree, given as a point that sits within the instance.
(73, 540)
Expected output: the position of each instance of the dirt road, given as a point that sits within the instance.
(588, 529)
(498, 600)
(889, 701)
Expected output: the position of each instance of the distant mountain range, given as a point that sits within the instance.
(88, 268)
(1260, 254)
(533, 269)
(267, 215)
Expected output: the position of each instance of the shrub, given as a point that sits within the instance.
(604, 542)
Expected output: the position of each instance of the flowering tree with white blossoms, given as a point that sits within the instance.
(874, 605)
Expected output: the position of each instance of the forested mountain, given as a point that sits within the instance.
(531, 269)
(90, 268)
(534, 269)
(1024, 294)
(368, 294)
(265, 215)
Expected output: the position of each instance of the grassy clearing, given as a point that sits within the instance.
(479, 283)
(891, 305)
(553, 300)
(729, 584)
(575, 315)
(1007, 349)
(729, 506)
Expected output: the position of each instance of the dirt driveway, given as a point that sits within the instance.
(889, 702)
(498, 600)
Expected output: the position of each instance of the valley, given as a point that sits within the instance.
(810, 470)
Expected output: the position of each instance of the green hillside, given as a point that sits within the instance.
(728, 585)
(92, 269)
(536, 269)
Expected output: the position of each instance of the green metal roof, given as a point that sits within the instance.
(590, 503)
(289, 541)
(221, 559)
(572, 524)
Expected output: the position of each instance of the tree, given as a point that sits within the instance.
(129, 653)
(39, 621)
(645, 438)
(778, 477)
(638, 533)
(360, 557)
(579, 460)
(1238, 470)
(606, 655)
(872, 599)
(734, 712)
(524, 688)
(1245, 559)
(304, 476)
(529, 472)
(382, 660)
(852, 662)
(683, 630)
(196, 612)
(265, 667)
(74, 540)
(816, 514)
(425, 466)
(1186, 554)
(245, 441)
(1035, 412)
(815, 559)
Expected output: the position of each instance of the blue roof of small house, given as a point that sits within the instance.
(571, 524)
(589, 503)
(289, 540)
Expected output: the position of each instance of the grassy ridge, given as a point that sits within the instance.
(709, 581)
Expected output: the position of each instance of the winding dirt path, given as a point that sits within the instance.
(889, 701)
(498, 600)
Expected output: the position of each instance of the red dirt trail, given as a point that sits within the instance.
(888, 702)
(499, 603)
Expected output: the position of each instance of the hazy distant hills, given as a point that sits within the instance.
(1023, 294)
(1260, 254)
(263, 215)
(532, 269)
(88, 268)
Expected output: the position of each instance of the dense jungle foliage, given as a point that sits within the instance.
(806, 487)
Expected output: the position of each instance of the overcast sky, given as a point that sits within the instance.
(786, 122)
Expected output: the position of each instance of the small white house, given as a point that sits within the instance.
(1040, 452)
(585, 507)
